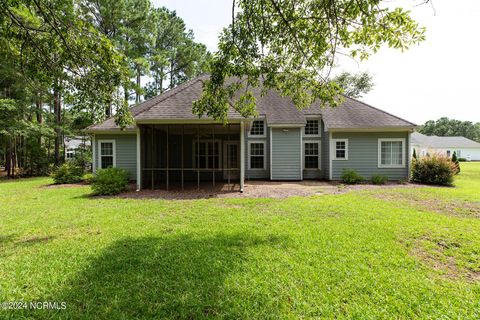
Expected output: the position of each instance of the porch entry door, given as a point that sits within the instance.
(231, 159)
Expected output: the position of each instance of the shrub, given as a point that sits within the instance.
(379, 179)
(462, 159)
(68, 173)
(88, 178)
(110, 181)
(351, 176)
(455, 162)
(433, 170)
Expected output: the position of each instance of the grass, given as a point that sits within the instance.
(364, 254)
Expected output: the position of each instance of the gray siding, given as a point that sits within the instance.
(258, 174)
(286, 154)
(126, 151)
(363, 155)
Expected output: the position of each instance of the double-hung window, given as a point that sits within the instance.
(391, 153)
(257, 129)
(256, 155)
(340, 149)
(106, 150)
(207, 154)
(70, 154)
(312, 127)
(312, 155)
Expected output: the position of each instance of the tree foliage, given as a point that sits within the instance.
(354, 85)
(292, 45)
(444, 127)
(66, 64)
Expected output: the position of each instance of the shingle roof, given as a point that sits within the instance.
(436, 142)
(176, 104)
(354, 114)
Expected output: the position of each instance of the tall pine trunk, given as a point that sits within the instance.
(161, 80)
(137, 95)
(39, 113)
(57, 110)
(172, 85)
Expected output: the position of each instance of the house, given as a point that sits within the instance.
(464, 148)
(169, 146)
(72, 144)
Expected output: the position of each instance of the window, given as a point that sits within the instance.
(206, 154)
(459, 153)
(257, 155)
(258, 128)
(312, 155)
(391, 153)
(107, 153)
(312, 128)
(340, 149)
(448, 153)
(70, 154)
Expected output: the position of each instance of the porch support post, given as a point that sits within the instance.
(183, 134)
(213, 148)
(94, 158)
(168, 158)
(227, 155)
(139, 163)
(198, 157)
(152, 165)
(242, 155)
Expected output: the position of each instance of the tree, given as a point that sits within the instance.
(291, 46)
(176, 57)
(354, 85)
(54, 52)
(456, 162)
(450, 127)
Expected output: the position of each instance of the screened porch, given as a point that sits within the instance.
(190, 156)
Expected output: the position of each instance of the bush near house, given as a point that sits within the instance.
(88, 178)
(435, 169)
(68, 173)
(379, 179)
(351, 176)
(110, 181)
(462, 159)
(456, 162)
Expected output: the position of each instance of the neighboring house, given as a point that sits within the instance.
(72, 144)
(168, 145)
(464, 148)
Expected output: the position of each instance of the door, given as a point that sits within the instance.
(231, 160)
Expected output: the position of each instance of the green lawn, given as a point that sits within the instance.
(386, 253)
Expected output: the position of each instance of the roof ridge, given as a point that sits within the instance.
(372, 107)
(170, 93)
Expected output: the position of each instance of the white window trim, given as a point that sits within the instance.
(264, 135)
(220, 159)
(318, 142)
(380, 165)
(334, 149)
(114, 151)
(264, 155)
(318, 135)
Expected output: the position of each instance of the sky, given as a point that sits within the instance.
(437, 78)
